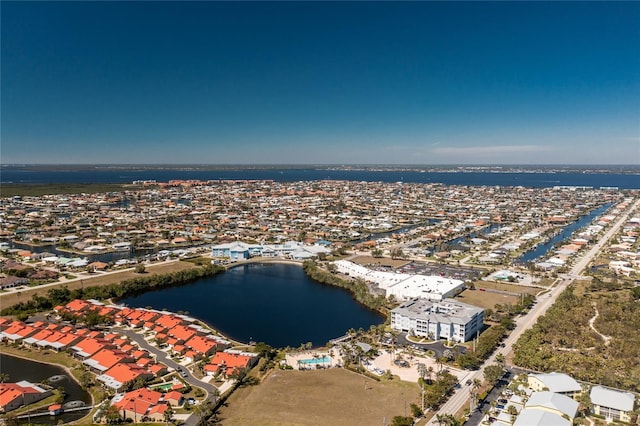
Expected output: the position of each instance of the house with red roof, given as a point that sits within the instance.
(14, 395)
(119, 374)
(149, 316)
(67, 342)
(156, 413)
(78, 306)
(226, 363)
(203, 344)
(51, 341)
(107, 358)
(169, 321)
(174, 398)
(144, 362)
(90, 346)
(18, 332)
(191, 355)
(131, 407)
(181, 332)
(4, 322)
(158, 369)
(33, 339)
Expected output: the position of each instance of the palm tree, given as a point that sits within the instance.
(473, 390)
(500, 360)
(4, 377)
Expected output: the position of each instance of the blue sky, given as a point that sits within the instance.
(321, 82)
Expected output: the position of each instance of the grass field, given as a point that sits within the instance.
(11, 298)
(512, 288)
(485, 299)
(319, 397)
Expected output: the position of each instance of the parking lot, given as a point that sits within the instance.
(463, 273)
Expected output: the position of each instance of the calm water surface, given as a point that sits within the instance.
(274, 303)
(35, 372)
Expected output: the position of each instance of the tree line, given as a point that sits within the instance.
(357, 287)
(62, 295)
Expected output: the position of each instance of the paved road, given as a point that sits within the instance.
(162, 357)
(459, 398)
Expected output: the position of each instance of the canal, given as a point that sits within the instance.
(36, 372)
(564, 234)
(273, 303)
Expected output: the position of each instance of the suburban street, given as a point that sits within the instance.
(162, 357)
(460, 397)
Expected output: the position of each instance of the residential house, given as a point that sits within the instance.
(612, 404)
(14, 395)
(554, 382)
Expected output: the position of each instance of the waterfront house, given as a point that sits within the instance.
(612, 404)
(226, 363)
(204, 345)
(14, 395)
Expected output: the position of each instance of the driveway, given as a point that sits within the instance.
(438, 347)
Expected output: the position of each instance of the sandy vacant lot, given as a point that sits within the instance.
(319, 397)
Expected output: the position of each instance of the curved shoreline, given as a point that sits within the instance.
(65, 368)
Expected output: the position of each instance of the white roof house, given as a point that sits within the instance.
(535, 417)
(554, 382)
(612, 403)
(553, 402)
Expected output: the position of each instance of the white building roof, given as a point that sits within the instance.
(553, 401)
(623, 401)
(529, 417)
(558, 382)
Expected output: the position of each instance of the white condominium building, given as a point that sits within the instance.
(446, 319)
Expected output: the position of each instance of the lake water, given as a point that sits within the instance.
(273, 303)
(35, 372)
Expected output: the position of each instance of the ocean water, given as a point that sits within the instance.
(538, 179)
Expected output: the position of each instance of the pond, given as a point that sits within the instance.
(273, 303)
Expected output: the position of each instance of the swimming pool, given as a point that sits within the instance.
(163, 388)
(314, 361)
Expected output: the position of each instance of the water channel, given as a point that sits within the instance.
(271, 302)
(36, 372)
(564, 234)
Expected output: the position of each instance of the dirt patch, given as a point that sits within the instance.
(511, 288)
(380, 261)
(485, 299)
(11, 298)
(319, 397)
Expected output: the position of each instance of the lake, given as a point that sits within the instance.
(273, 303)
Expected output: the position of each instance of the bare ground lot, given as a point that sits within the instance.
(485, 299)
(319, 397)
(512, 288)
(11, 298)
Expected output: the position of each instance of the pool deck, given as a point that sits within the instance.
(293, 358)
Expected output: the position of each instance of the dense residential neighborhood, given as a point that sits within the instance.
(456, 279)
